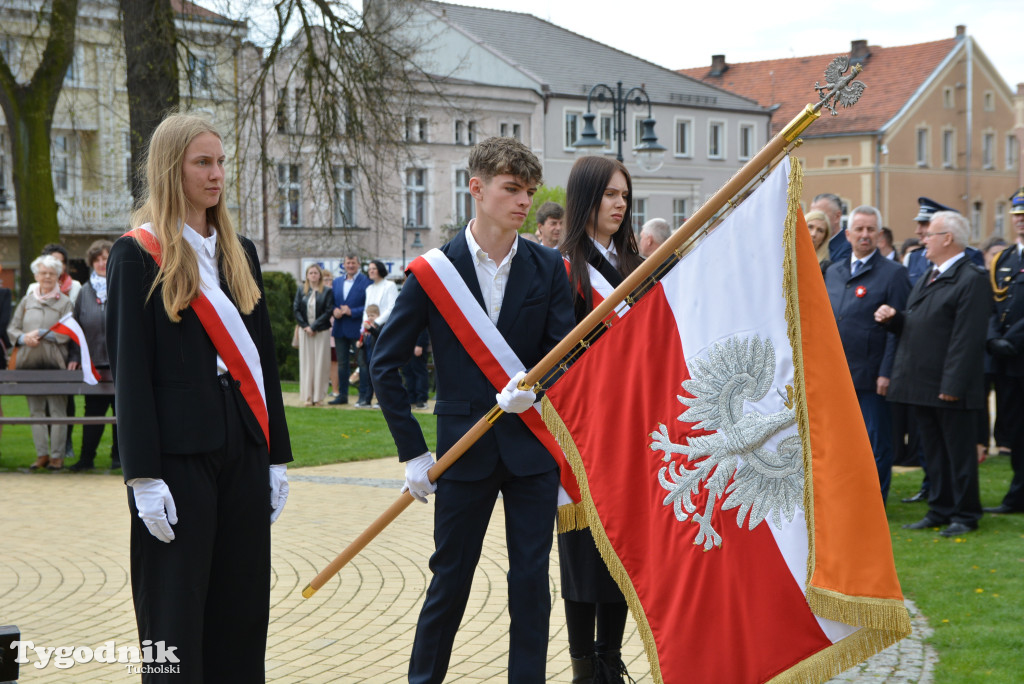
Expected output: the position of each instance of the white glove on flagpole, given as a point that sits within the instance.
(563, 497)
(417, 481)
(514, 400)
(152, 497)
(278, 490)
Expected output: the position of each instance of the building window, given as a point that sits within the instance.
(200, 72)
(948, 149)
(638, 129)
(948, 102)
(988, 146)
(716, 140)
(61, 152)
(680, 211)
(415, 129)
(922, 147)
(463, 200)
(639, 213)
(471, 132)
(976, 214)
(990, 101)
(344, 196)
(606, 131)
(459, 132)
(684, 138)
(572, 129)
(290, 192)
(73, 75)
(416, 197)
(838, 161)
(1012, 150)
(999, 226)
(281, 113)
(517, 132)
(301, 110)
(503, 130)
(746, 141)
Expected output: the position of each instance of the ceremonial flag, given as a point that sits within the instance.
(725, 468)
(67, 325)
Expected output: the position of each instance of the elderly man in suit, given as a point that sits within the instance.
(514, 294)
(349, 300)
(1006, 347)
(857, 287)
(939, 371)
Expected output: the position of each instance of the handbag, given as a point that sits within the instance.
(12, 360)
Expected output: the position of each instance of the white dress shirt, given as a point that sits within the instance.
(493, 277)
(206, 254)
(608, 252)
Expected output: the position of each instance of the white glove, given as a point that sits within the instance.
(417, 482)
(514, 400)
(563, 497)
(152, 497)
(278, 490)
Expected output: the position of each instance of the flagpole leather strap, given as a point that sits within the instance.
(484, 343)
(225, 328)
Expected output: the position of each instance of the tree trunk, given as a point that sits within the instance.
(28, 109)
(151, 50)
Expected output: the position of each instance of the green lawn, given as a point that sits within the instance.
(969, 587)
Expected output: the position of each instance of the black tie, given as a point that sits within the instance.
(934, 275)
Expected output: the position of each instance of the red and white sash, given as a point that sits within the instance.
(483, 342)
(67, 325)
(223, 324)
(600, 288)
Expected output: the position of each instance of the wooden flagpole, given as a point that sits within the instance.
(678, 238)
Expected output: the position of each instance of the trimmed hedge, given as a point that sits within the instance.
(280, 289)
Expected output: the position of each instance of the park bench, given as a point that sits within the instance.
(42, 382)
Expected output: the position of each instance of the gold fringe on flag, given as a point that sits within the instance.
(572, 517)
(615, 568)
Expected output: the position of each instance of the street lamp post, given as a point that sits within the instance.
(650, 155)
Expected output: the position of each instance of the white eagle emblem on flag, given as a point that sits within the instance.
(733, 462)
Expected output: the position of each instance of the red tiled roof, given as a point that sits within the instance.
(892, 76)
(186, 7)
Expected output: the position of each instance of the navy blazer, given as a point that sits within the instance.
(942, 340)
(839, 247)
(536, 313)
(1008, 315)
(349, 326)
(870, 348)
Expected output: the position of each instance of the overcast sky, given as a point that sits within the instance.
(677, 35)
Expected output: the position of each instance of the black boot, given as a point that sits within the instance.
(83, 464)
(611, 669)
(583, 670)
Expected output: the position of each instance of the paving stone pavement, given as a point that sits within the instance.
(64, 581)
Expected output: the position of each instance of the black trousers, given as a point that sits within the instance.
(1011, 391)
(949, 444)
(461, 513)
(207, 593)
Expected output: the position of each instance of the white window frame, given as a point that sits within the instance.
(416, 210)
(988, 150)
(573, 129)
(922, 140)
(289, 186)
(686, 150)
(639, 211)
(417, 129)
(459, 133)
(999, 224)
(989, 101)
(606, 131)
(1012, 152)
(503, 130)
(712, 123)
(949, 148)
(680, 211)
(948, 98)
(638, 128)
(282, 110)
(517, 131)
(344, 205)
(201, 72)
(977, 216)
(465, 208)
(62, 161)
(751, 128)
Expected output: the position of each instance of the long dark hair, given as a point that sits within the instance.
(588, 180)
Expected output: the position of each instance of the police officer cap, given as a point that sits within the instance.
(1017, 202)
(928, 207)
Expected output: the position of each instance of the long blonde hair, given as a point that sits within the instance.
(165, 207)
(305, 281)
(819, 215)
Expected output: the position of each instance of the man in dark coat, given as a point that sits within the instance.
(939, 371)
(349, 300)
(1006, 347)
(857, 286)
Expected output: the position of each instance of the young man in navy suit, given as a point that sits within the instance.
(522, 288)
(350, 297)
(857, 286)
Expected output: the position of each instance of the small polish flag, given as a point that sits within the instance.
(69, 326)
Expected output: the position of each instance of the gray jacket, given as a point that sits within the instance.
(32, 314)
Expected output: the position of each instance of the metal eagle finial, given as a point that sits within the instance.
(838, 88)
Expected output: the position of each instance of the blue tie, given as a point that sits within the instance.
(855, 269)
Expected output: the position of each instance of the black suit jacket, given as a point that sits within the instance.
(942, 340)
(165, 373)
(324, 309)
(870, 348)
(536, 314)
(1007, 319)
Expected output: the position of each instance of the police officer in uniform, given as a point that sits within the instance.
(1006, 347)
